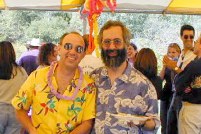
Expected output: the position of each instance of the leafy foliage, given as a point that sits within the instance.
(155, 31)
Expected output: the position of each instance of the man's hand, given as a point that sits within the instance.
(148, 124)
(132, 124)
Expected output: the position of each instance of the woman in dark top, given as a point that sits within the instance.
(146, 63)
(167, 93)
(47, 54)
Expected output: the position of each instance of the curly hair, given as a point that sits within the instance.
(44, 52)
(126, 33)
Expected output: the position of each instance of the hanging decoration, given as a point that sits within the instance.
(93, 8)
(2, 4)
(68, 4)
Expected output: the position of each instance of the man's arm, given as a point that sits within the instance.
(84, 128)
(183, 79)
(25, 120)
(150, 98)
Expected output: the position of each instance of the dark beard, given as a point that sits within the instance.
(114, 61)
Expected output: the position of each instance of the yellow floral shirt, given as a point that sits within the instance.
(51, 115)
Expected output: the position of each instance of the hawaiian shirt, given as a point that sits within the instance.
(51, 115)
(130, 94)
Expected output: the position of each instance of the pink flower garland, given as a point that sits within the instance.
(54, 91)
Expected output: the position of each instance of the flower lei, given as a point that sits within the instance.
(54, 91)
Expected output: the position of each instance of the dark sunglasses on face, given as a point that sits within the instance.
(78, 49)
(188, 37)
(107, 42)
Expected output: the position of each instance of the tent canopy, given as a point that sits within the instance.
(140, 6)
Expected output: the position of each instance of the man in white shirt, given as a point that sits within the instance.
(90, 62)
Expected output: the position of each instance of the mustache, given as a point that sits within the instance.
(111, 51)
(113, 61)
(107, 52)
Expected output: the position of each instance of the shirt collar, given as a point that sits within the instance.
(124, 77)
(75, 78)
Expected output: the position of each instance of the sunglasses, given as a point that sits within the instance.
(78, 49)
(107, 42)
(188, 37)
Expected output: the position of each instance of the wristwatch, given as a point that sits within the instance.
(176, 68)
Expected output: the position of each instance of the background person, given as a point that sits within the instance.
(146, 63)
(28, 60)
(167, 91)
(132, 53)
(12, 76)
(187, 34)
(188, 86)
(47, 54)
(90, 62)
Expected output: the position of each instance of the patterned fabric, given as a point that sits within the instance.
(49, 114)
(131, 93)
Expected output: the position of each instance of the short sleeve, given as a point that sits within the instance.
(89, 110)
(23, 99)
(152, 102)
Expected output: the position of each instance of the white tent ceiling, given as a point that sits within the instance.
(146, 6)
(149, 6)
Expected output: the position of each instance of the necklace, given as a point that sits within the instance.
(58, 95)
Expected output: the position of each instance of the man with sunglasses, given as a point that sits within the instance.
(188, 86)
(62, 98)
(126, 101)
(187, 34)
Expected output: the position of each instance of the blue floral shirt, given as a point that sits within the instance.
(130, 94)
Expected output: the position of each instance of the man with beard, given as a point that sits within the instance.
(127, 101)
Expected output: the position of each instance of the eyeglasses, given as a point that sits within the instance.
(107, 42)
(188, 37)
(78, 49)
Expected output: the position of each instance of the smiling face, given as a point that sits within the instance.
(173, 53)
(187, 38)
(69, 50)
(131, 52)
(113, 47)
